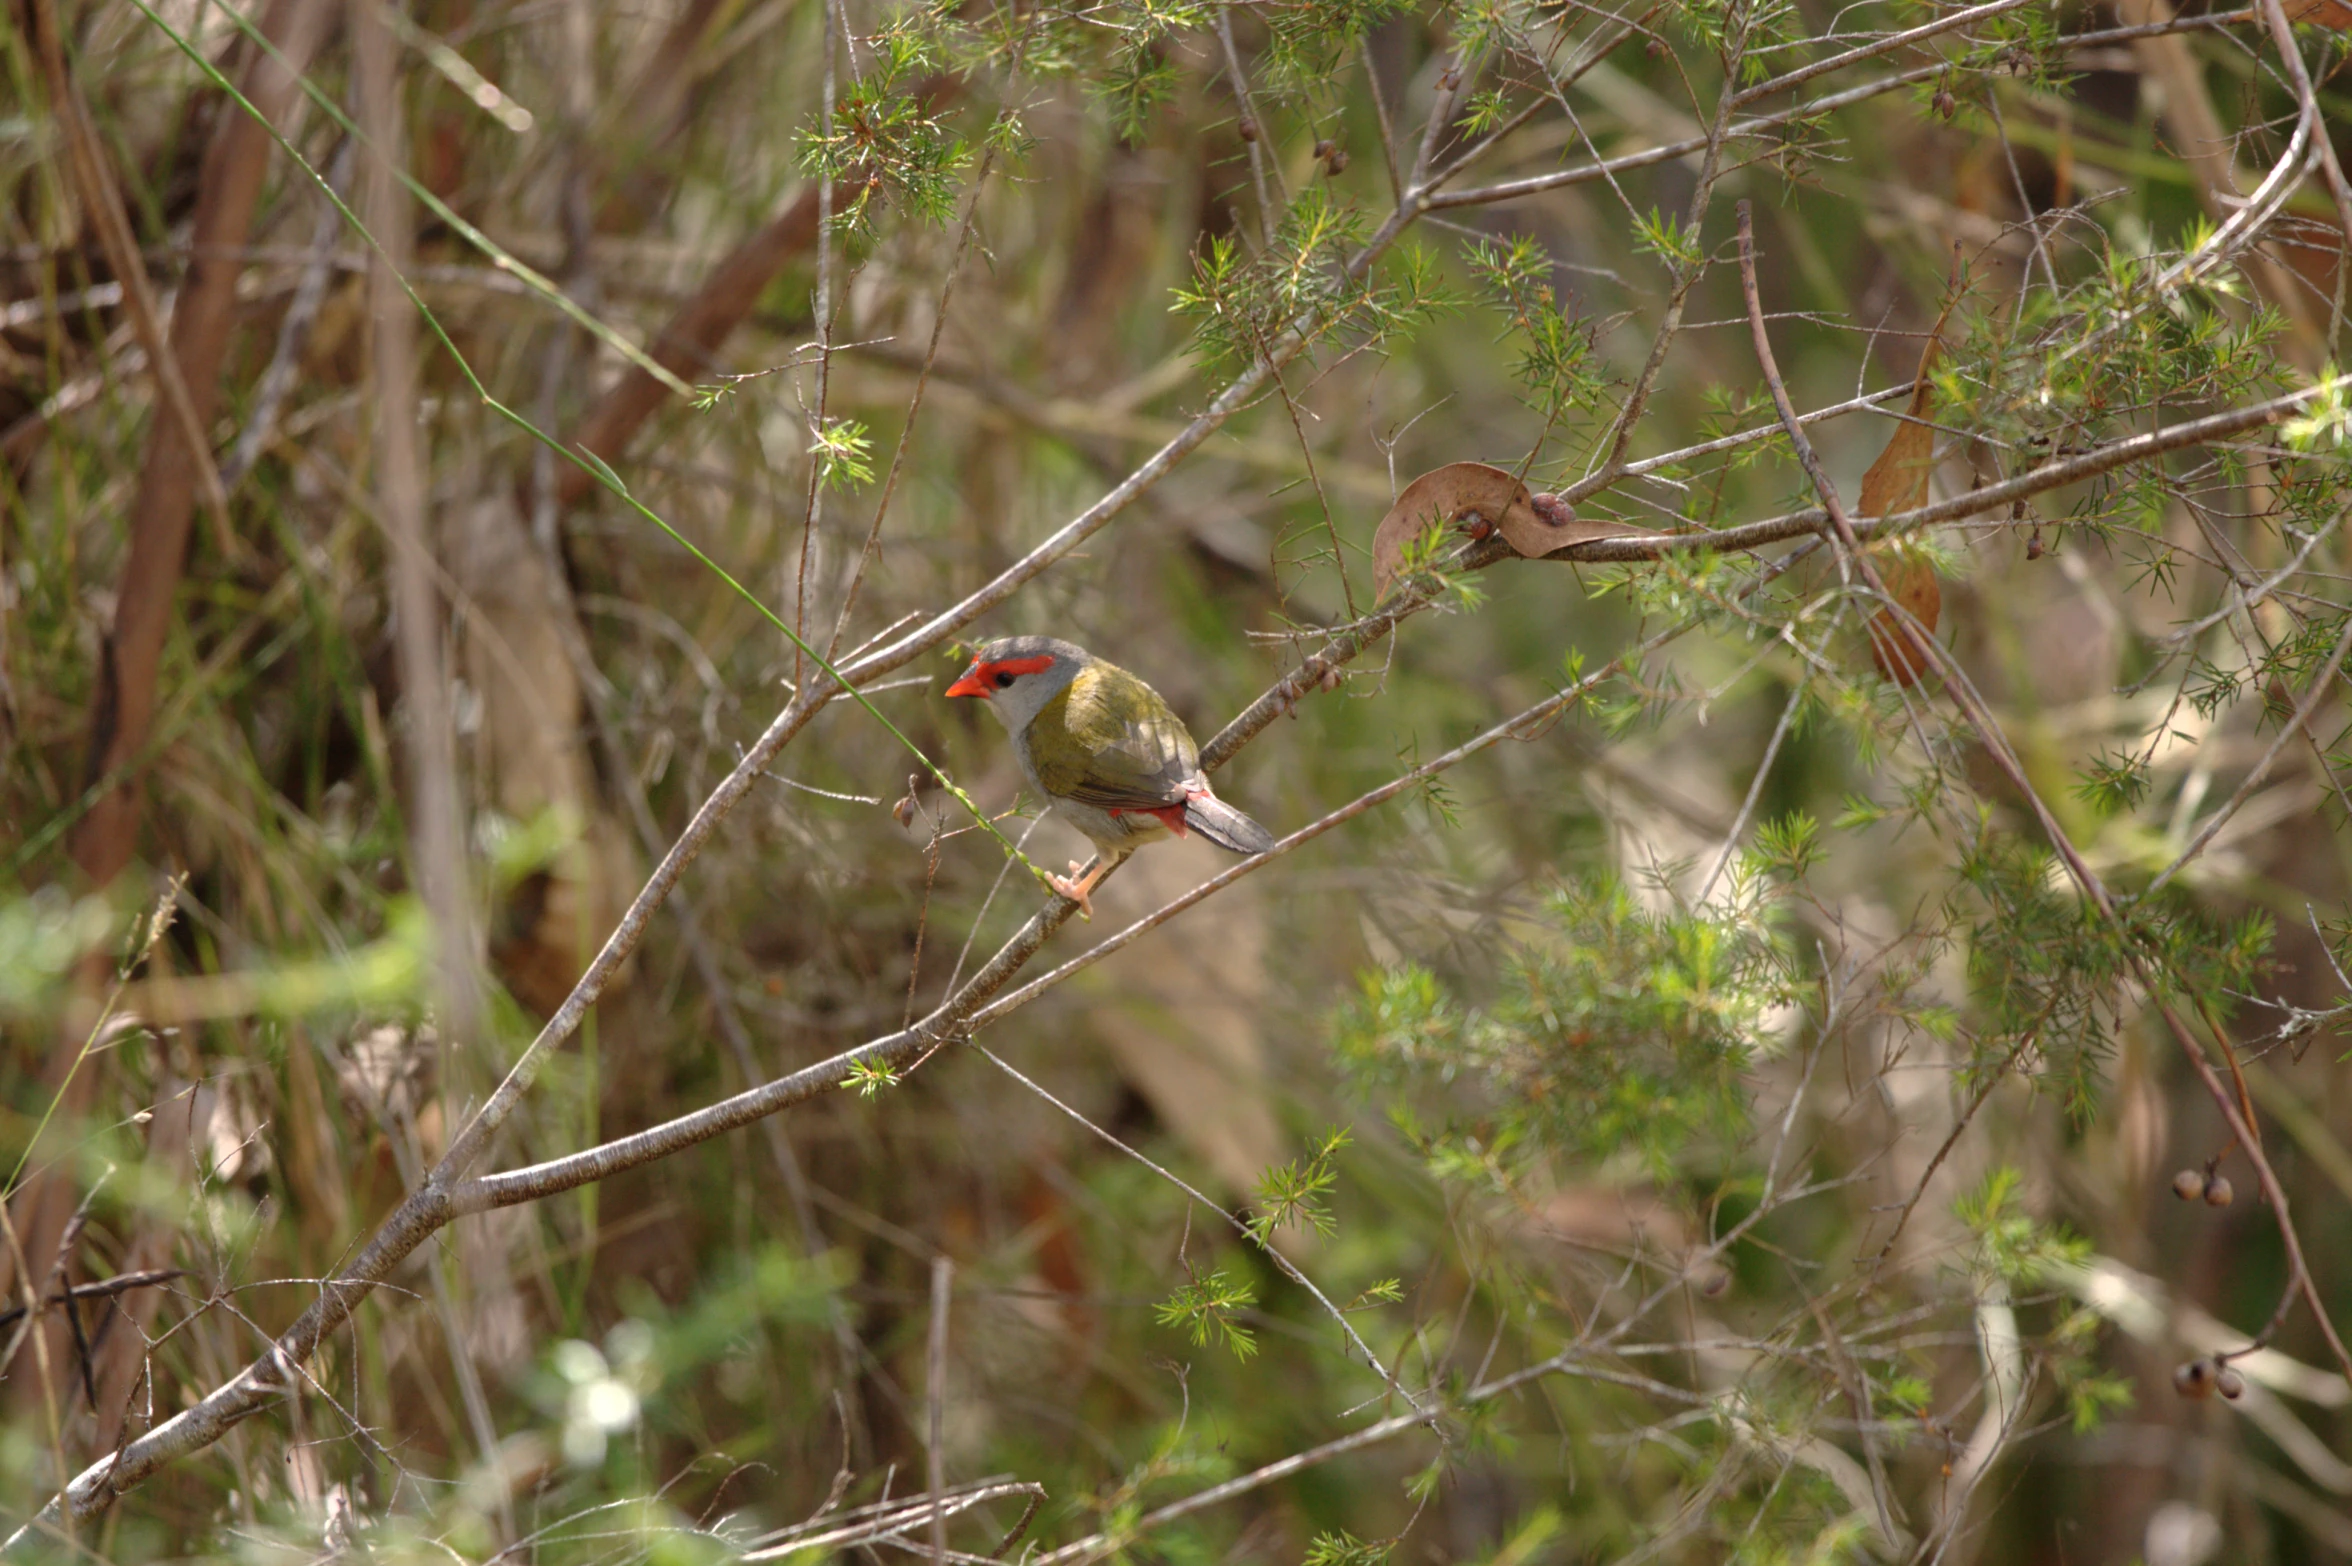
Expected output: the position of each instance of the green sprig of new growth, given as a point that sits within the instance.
(1295, 1192)
(1205, 1309)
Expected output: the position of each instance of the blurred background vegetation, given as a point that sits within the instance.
(1714, 1105)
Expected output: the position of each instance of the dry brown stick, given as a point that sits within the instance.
(2199, 141)
(2282, 33)
(124, 693)
(1925, 652)
(935, 1398)
(436, 845)
(228, 188)
(2126, 452)
(105, 1288)
(104, 200)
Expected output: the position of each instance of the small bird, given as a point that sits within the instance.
(1104, 750)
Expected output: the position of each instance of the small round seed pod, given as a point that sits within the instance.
(2229, 1383)
(1338, 161)
(2194, 1379)
(1324, 149)
(1945, 104)
(2218, 1192)
(2188, 1185)
(1248, 128)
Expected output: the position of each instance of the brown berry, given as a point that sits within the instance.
(1656, 48)
(2218, 1192)
(2188, 1185)
(2229, 1383)
(1554, 511)
(2194, 1379)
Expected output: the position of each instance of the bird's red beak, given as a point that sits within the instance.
(974, 683)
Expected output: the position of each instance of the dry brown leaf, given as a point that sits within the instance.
(1535, 525)
(2333, 14)
(1898, 481)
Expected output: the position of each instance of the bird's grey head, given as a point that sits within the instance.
(1017, 675)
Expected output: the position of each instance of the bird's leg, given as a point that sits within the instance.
(1078, 890)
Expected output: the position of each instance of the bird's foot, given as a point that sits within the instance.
(1077, 888)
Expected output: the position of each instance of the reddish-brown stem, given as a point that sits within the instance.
(228, 189)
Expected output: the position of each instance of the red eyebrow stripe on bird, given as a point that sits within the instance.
(989, 671)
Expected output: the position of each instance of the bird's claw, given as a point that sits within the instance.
(1075, 889)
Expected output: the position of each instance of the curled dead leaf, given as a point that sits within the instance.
(2332, 14)
(1898, 481)
(1912, 583)
(1485, 499)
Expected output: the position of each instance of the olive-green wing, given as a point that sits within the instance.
(1108, 740)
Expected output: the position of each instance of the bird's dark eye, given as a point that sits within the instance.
(1003, 680)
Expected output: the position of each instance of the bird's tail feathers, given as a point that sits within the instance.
(1225, 826)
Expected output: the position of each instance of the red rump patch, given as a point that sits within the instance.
(1171, 817)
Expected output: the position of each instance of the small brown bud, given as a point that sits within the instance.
(2229, 1383)
(1716, 1285)
(904, 811)
(1945, 104)
(1477, 526)
(1554, 511)
(1656, 48)
(1450, 78)
(1324, 149)
(1248, 128)
(2218, 1192)
(2194, 1379)
(2033, 545)
(1330, 679)
(2188, 1185)
(1338, 161)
